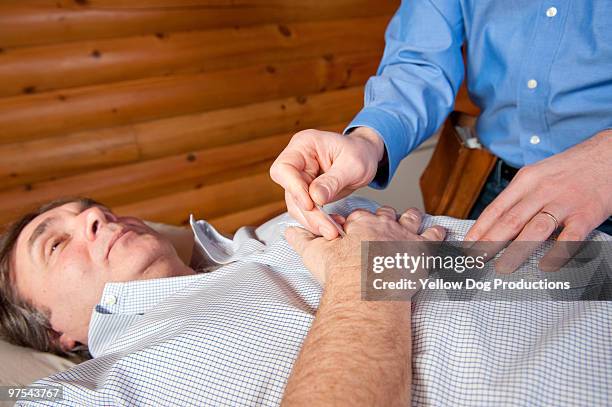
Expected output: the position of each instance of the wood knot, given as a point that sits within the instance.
(191, 157)
(96, 53)
(284, 30)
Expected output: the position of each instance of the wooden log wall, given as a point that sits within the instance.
(161, 108)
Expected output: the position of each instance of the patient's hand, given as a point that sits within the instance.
(325, 257)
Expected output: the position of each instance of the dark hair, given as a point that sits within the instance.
(20, 322)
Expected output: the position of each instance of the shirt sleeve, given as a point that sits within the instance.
(418, 78)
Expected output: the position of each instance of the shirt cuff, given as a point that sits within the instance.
(392, 132)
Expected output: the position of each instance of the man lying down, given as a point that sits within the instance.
(260, 328)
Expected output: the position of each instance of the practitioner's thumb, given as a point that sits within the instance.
(298, 238)
(328, 186)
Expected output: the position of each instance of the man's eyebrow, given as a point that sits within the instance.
(40, 230)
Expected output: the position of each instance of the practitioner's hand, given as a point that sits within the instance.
(573, 187)
(322, 166)
(323, 257)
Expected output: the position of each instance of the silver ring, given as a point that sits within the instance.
(550, 215)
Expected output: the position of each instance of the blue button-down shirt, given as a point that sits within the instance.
(540, 70)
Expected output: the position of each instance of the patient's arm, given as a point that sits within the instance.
(357, 352)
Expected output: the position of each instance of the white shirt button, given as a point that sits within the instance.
(534, 139)
(532, 84)
(551, 12)
(110, 300)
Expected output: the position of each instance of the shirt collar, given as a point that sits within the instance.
(137, 297)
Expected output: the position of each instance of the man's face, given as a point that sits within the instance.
(65, 256)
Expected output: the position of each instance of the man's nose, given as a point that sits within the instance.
(94, 220)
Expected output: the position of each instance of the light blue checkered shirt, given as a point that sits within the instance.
(230, 337)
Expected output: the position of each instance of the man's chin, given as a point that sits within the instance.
(143, 256)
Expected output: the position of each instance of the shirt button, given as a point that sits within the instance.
(551, 12)
(532, 84)
(534, 139)
(110, 300)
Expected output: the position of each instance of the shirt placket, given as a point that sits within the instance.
(534, 87)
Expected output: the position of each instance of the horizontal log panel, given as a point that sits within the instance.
(146, 179)
(293, 6)
(122, 190)
(61, 112)
(49, 22)
(121, 184)
(32, 161)
(249, 217)
(207, 202)
(219, 127)
(222, 194)
(39, 69)
(23, 163)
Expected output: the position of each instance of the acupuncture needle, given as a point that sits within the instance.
(329, 218)
(333, 222)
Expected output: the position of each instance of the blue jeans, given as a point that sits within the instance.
(496, 183)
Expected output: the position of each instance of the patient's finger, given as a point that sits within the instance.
(387, 212)
(358, 213)
(339, 219)
(298, 238)
(411, 219)
(435, 233)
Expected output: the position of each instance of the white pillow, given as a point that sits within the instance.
(22, 366)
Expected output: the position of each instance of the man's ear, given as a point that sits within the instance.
(66, 343)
